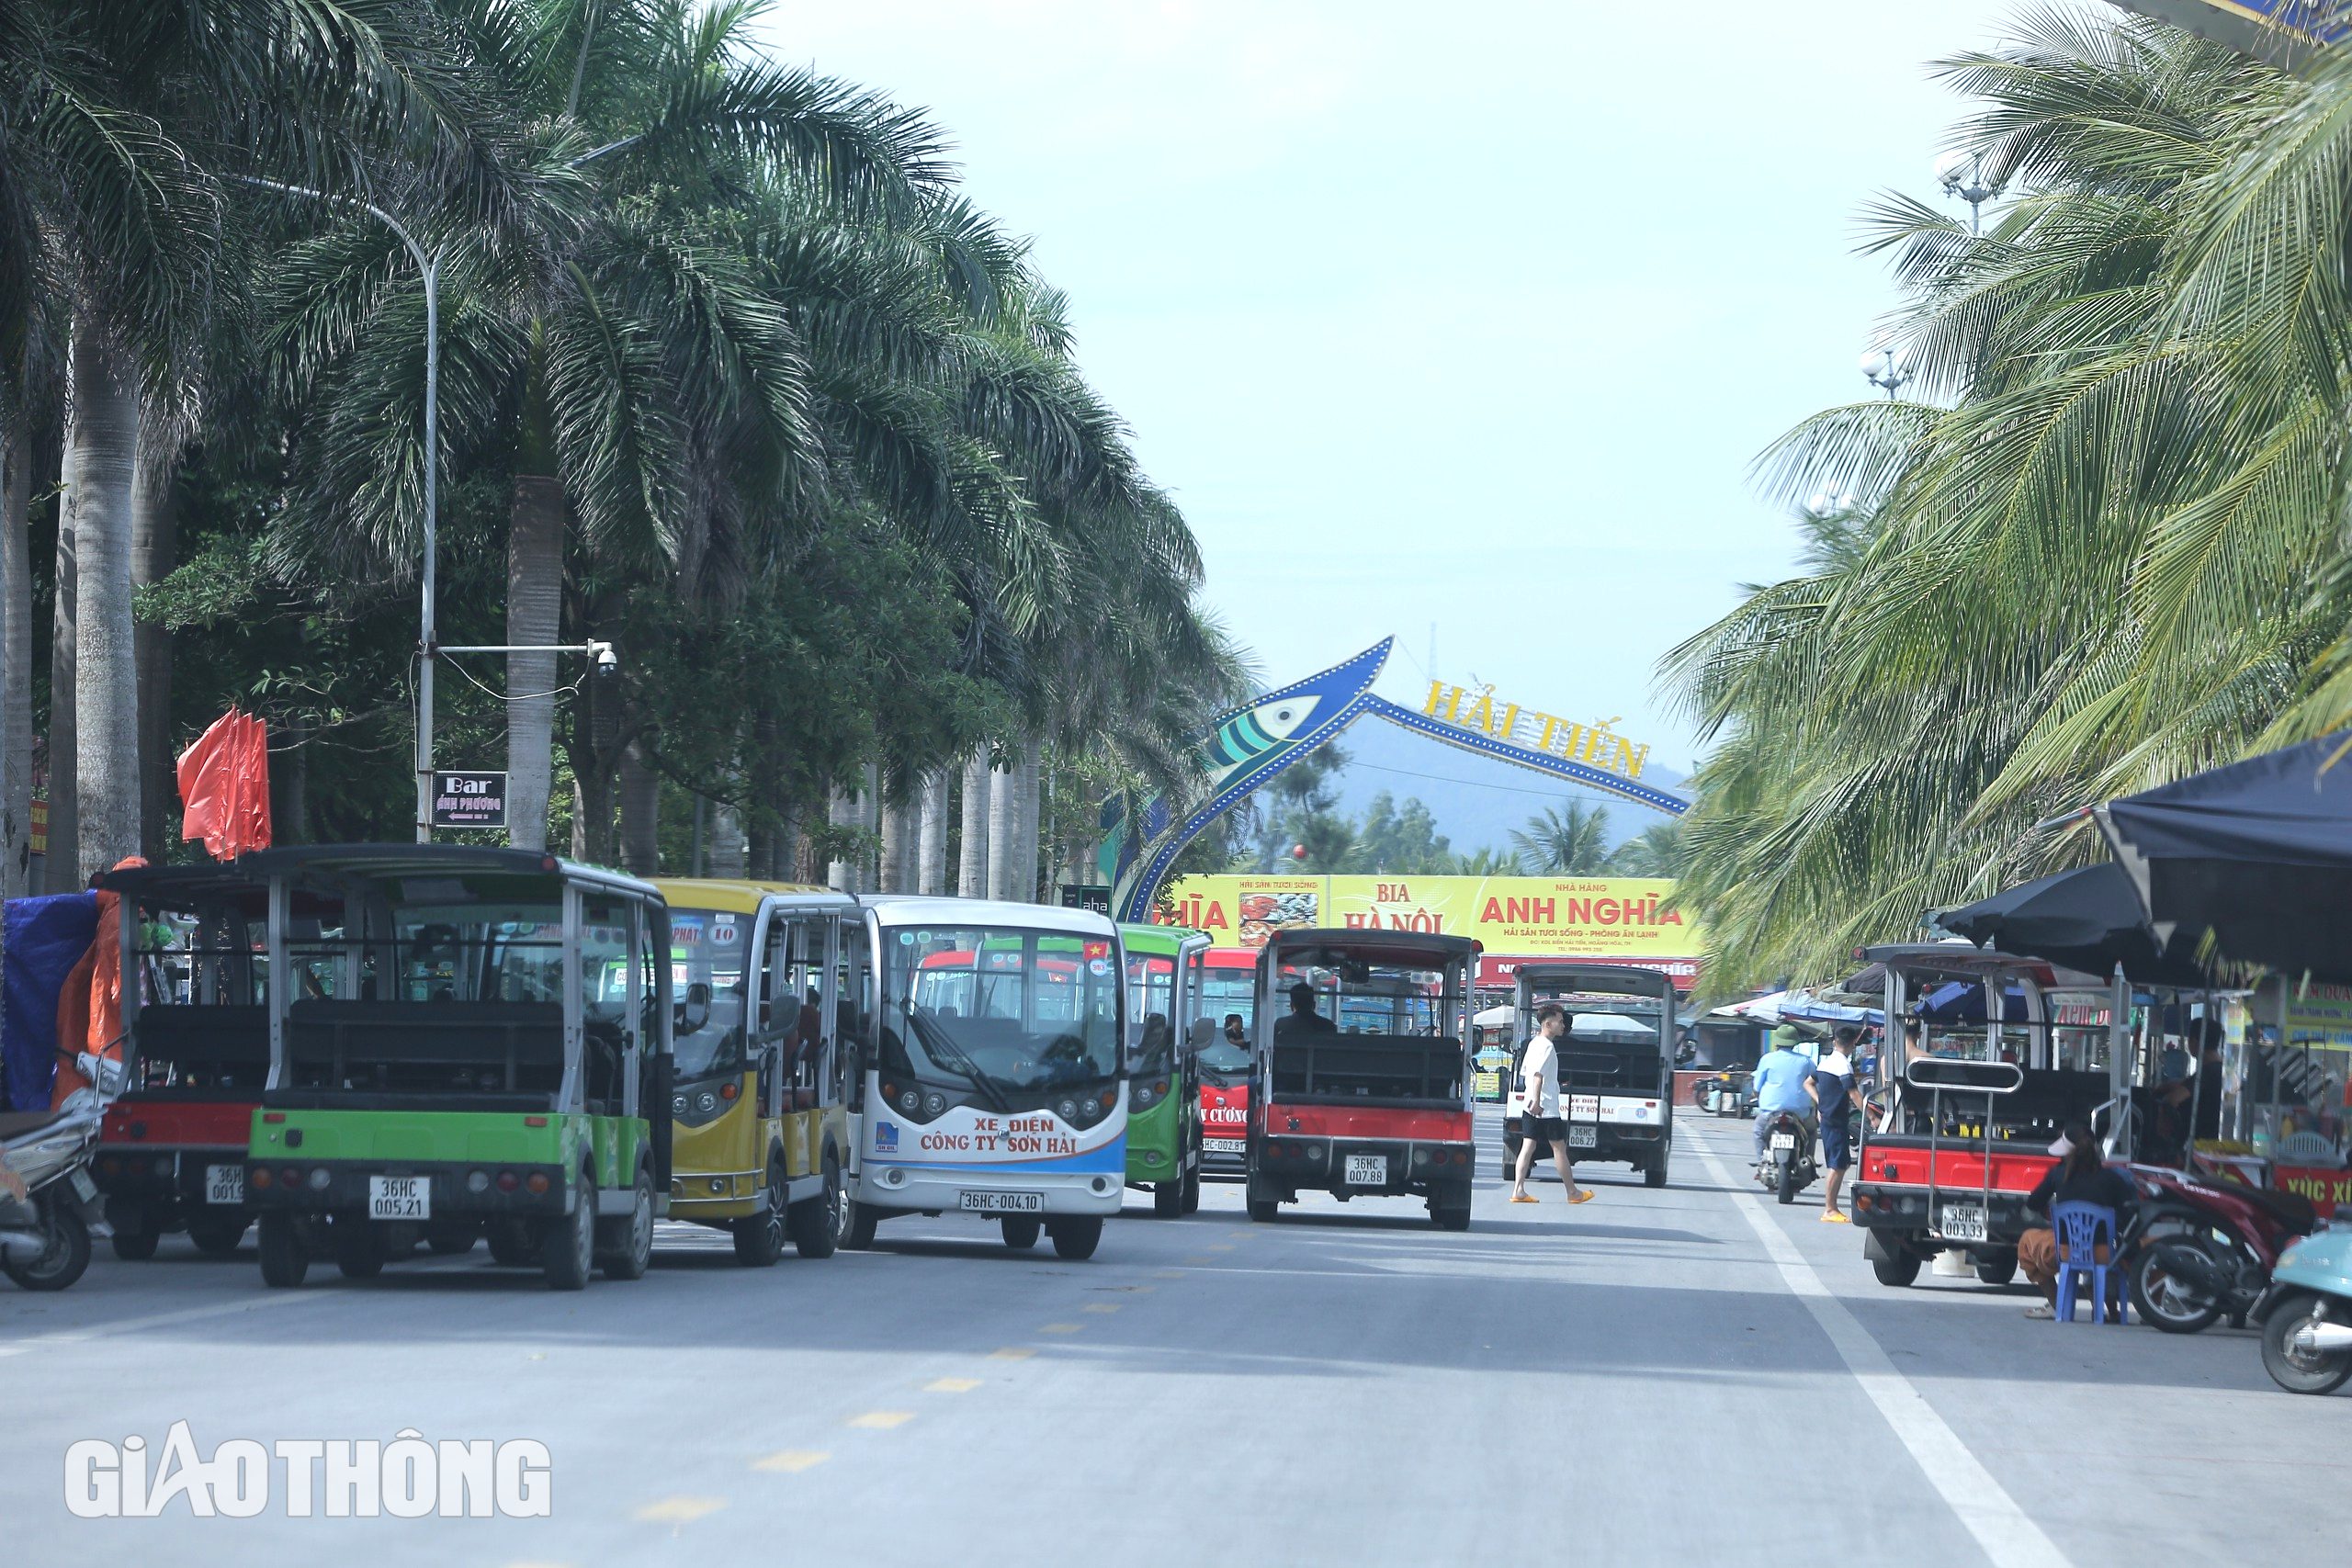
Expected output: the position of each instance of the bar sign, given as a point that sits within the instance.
(469, 800)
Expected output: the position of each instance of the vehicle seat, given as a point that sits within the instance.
(2290, 1209)
(16, 1124)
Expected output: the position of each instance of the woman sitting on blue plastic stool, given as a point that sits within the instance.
(2081, 1175)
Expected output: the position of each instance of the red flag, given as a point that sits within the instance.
(224, 780)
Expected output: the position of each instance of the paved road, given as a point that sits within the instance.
(1687, 1375)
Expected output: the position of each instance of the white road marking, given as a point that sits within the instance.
(1983, 1507)
(260, 1301)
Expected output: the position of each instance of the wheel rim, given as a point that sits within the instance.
(837, 1204)
(640, 1225)
(2171, 1300)
(2310, 1363)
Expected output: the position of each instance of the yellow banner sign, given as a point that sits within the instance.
(1565, 916)
(1593, 744)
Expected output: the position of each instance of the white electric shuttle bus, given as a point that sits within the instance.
(991, 1077)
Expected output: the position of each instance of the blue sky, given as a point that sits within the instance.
(1469, 316)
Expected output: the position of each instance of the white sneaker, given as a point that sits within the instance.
(2041, 1310)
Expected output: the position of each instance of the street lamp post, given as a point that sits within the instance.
(1962, 174)
(1883, 366)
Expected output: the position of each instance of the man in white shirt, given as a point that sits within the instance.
(1539, 1121)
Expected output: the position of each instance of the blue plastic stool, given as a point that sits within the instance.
(2078, 1228)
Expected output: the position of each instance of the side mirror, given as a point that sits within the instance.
(693, 1012)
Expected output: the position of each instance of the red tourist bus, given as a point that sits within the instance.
(1226, 984)
(1362, 1070)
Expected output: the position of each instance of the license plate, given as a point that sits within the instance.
(224, 1183)
(1784, 1140)
(1583, 1137)
(400, 1197)
(1225, 1146)
(1367, 1170)
(1004, 1202)
(1963, 1222)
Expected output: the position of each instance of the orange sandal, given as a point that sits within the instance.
(1583, 1195)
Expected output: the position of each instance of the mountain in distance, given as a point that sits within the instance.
(1476, 800)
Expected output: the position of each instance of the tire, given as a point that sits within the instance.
(358, 1250)
(285, 1257)
(61, 1261)
(453, 1240)
(569, 1254)
(218, 1238)
(1654, 1173)
(1167, 1200)
(135, 1247)
(759, 1238)
(2166, 1301)
(1898, 1270)
(862, 1219)
(817, 1224)
(1021, 1231)
(1263, 1209)
(1451, 1216)
(634, 1255)
(1076, 1238)
(2315, 1371)
(1787, 1187)
(1997, 1269)
(511, 1246)
(1192, 1191)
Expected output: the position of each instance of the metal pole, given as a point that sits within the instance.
(432, 499)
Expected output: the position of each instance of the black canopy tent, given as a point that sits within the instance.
(2088, 919)
(2258, 854)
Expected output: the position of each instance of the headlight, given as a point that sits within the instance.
(705, 1101)
(1069, 1109)
(678, 1106)
(909, 1102)
(935, 1103)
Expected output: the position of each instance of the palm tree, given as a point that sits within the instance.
(1570, 843)
(2107, 557)
(1656, 850)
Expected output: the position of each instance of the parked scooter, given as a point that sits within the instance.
(2202, 1249)
(2306, 1315)
(48, 1204)
(1788, 1166)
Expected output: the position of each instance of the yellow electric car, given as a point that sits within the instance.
(760, 1124)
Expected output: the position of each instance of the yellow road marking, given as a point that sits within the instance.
(1012, 1353)
(680, 1510)
(1061, 1327)
(1168, 1273)
(1101, 1306)
(792, 1462)
(1218, 1247)
(1200, 1260)
(882, 1420)
(951, 1385)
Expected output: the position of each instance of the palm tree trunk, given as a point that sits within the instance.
(1024, 886)
(841, 871)
(15, 658)
(61, 852)
(726, 854)
(972, 863)
(1004, 827)
(897, 844)
(640, 789)
(534, 618)
(101, 462)
(930, 835)
(155, 547)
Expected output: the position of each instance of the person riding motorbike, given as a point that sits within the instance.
(1780, 1085)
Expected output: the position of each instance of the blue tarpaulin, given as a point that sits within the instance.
(45, 938)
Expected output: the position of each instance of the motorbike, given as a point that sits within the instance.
(2306, 1315)
(1725, 1094)
(2201, 1250)
(1788, 1166)
(50, 1206)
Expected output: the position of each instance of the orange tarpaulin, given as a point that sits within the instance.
(89, 1010)
(224, 779)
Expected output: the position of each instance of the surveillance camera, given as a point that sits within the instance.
(607, 662)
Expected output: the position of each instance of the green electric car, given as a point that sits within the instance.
(1164, 1084)
(465, 1043)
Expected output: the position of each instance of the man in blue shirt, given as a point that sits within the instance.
(1780, 1084)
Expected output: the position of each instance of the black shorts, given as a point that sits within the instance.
(1543, 1129)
